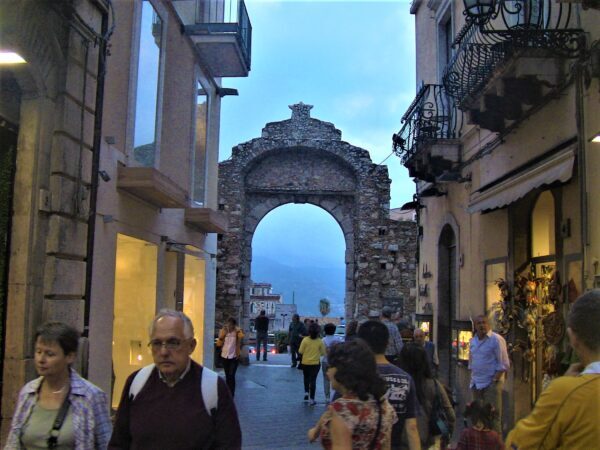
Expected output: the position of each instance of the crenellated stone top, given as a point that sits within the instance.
(301, 126)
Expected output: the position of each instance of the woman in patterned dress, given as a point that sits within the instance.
(361, 418)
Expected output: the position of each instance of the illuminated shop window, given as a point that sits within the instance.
(148, 74)
(193, 299)
(542, 226)
(134, 308)
(462, 332)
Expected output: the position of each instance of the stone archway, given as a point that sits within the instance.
(304, 160)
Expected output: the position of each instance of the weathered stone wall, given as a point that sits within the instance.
(304, 160)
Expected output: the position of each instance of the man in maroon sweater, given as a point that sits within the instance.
(169, 411)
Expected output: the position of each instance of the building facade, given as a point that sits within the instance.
(499, 139)
(262, 298)
(114, 198)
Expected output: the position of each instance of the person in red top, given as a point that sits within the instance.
(480, 436)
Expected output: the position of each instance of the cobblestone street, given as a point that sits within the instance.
(269, 397)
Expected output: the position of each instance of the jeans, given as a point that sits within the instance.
(230, 366)
(493, 395)
(310, 378)
(261, 338)
(296, 358)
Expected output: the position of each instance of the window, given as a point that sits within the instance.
(445, 40)
(199, 177)
(134, 307)
(495, 269)
(148, 74)
(193, 297)
(542, 226)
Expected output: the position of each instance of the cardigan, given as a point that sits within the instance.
(89, 407)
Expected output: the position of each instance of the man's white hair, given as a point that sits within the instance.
(188, 327)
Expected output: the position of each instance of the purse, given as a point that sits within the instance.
(439, 424)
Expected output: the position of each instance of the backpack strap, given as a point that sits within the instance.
(140, 380)
(209, 388)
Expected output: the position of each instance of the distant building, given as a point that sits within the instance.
(263, 298)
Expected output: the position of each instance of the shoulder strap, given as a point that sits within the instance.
(140, 380)
(52, 440)
(210, 391)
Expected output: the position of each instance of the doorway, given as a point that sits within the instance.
(446, 302)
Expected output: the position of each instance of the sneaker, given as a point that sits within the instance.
(312, 402)
(305, 397)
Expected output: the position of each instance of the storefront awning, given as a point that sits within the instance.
(558, 167)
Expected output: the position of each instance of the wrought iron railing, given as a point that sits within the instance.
(514, 27)
(222, 17)
(432, 116)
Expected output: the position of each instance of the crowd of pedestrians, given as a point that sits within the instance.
(376, 399)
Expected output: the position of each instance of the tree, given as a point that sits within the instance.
(324, 306)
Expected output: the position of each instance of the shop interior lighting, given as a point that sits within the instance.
(596, 138)
(7, 57)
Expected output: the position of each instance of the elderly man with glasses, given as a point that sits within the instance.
(169, 411)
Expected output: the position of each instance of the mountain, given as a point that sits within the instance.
(306, 284)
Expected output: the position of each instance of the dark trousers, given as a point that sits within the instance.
(310, 378)
(261, 338)
(230, 366)
(294, 351)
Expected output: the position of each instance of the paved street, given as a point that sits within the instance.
(269, 397)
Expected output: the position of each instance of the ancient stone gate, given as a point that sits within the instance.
(304, 160)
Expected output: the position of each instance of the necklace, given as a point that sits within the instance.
(60, 390)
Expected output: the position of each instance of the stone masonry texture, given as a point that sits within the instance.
(305, 160)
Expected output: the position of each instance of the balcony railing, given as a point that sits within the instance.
(218, 18)
(533, 28)
(431, 117)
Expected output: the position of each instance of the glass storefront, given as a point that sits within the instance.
(193, 299)
(134, 308)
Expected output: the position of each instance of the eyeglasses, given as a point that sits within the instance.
(171, 344)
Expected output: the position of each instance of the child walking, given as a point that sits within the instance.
(480, 436)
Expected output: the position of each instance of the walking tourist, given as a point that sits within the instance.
(311, 349)
(480, 435)
(296, 332)
(329, 340)
(361, 418)
(176, 403)
(261, 325)
(567, 413)
(392, 352)
(432, 397)
(59, 409)
(230, 341)
(429, 347)
(488, 362)
(401, 390)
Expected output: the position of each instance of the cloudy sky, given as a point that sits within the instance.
(354, 61)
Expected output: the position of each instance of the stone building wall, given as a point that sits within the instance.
(304, 160)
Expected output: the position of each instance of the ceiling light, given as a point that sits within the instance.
(596, 138)
(11, 58)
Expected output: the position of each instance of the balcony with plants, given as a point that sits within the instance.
(509, 57)
(428, 143)
(222, 33)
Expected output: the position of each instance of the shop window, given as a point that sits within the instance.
(542, 226)
(147, 92)
(199, 187)
(494, 271)
(193, 299)
(134, 308)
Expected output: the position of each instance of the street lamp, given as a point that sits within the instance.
(479, 11)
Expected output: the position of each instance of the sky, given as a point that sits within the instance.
(354, 62)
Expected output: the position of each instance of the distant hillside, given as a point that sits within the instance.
(309, 284)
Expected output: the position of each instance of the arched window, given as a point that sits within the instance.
(543, 242)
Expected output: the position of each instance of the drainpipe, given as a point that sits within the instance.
(102, 54)
(581, 168)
